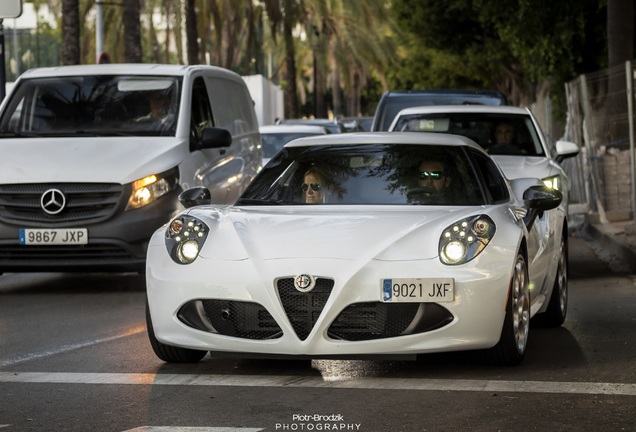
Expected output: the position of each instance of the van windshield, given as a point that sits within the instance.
(96, 105)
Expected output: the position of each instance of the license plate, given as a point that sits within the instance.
(418, 290)
(57, 236)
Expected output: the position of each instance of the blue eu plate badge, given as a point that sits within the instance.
(387, 290)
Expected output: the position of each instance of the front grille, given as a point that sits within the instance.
(377, 320)
(241, 319)
(84, 202)
(304, 308)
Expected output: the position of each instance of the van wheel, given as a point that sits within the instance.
(168, 353)
(511, 348)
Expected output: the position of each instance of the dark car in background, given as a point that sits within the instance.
(392, 102)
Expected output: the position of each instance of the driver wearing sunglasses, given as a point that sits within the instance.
(313, 187)
(433, 179)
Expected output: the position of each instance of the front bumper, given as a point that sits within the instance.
(238, 307)
(118, 243)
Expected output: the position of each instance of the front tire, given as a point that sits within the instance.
(511, 348)
(554, 315)
(168, 353)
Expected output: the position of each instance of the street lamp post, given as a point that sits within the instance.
(315, 61)
(8, 9)
(99, 30)
(3, 74)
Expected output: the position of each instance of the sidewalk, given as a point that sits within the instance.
(616, 241)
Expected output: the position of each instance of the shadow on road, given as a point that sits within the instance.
(70, 283)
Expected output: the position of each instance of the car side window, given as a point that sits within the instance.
(202, 116)
(492, 179)
(236, 113)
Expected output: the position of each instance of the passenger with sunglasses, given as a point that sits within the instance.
(313, 186)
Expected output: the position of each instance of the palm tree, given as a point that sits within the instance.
(70, 32)
(347, 52)
(132, 31)
(192, 32)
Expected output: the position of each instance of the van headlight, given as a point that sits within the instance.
(185, 236)
(150, 188)
(464, 240)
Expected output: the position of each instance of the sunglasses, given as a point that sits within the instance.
(435, 175)
(314, 187)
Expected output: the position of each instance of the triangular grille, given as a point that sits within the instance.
(304, 308)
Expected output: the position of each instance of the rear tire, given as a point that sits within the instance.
(554, 316)
(511, 348)
(168, 353)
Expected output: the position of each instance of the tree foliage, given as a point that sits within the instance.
(348, 52)
(511, 46)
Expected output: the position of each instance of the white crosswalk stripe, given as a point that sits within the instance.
(318, 382)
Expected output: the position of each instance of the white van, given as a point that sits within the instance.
(94, 157)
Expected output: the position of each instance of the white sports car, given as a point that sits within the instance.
(357, 245)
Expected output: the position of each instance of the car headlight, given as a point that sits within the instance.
(553, 182)
(150, 188)
(464, 240)
(185, 236)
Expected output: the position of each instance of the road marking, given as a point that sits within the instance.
(133, 330)
(314, 382)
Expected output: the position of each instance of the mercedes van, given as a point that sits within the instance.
(94, 157)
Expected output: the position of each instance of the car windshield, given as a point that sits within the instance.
(104, 105)
(396, 174)
(498, 134)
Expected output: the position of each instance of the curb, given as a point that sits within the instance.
(614, 244)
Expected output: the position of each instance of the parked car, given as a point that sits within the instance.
(332, 126)
(522, 151)
(380, 266)
(392, 102)
(95, 156)
(274, 137)
(357, 124)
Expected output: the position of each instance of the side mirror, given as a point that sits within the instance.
(195, 196)
(538, 199)
(566, 149)
(215, 138)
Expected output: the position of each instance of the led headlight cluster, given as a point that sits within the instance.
(185, 236)
(464, 240)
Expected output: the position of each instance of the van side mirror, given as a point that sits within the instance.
(538, 199)
(215, 138)
(195, 196)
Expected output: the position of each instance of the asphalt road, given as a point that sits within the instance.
(74, 357)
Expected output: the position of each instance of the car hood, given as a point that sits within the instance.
(526, 166)
(269, 233)
(87, 159)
